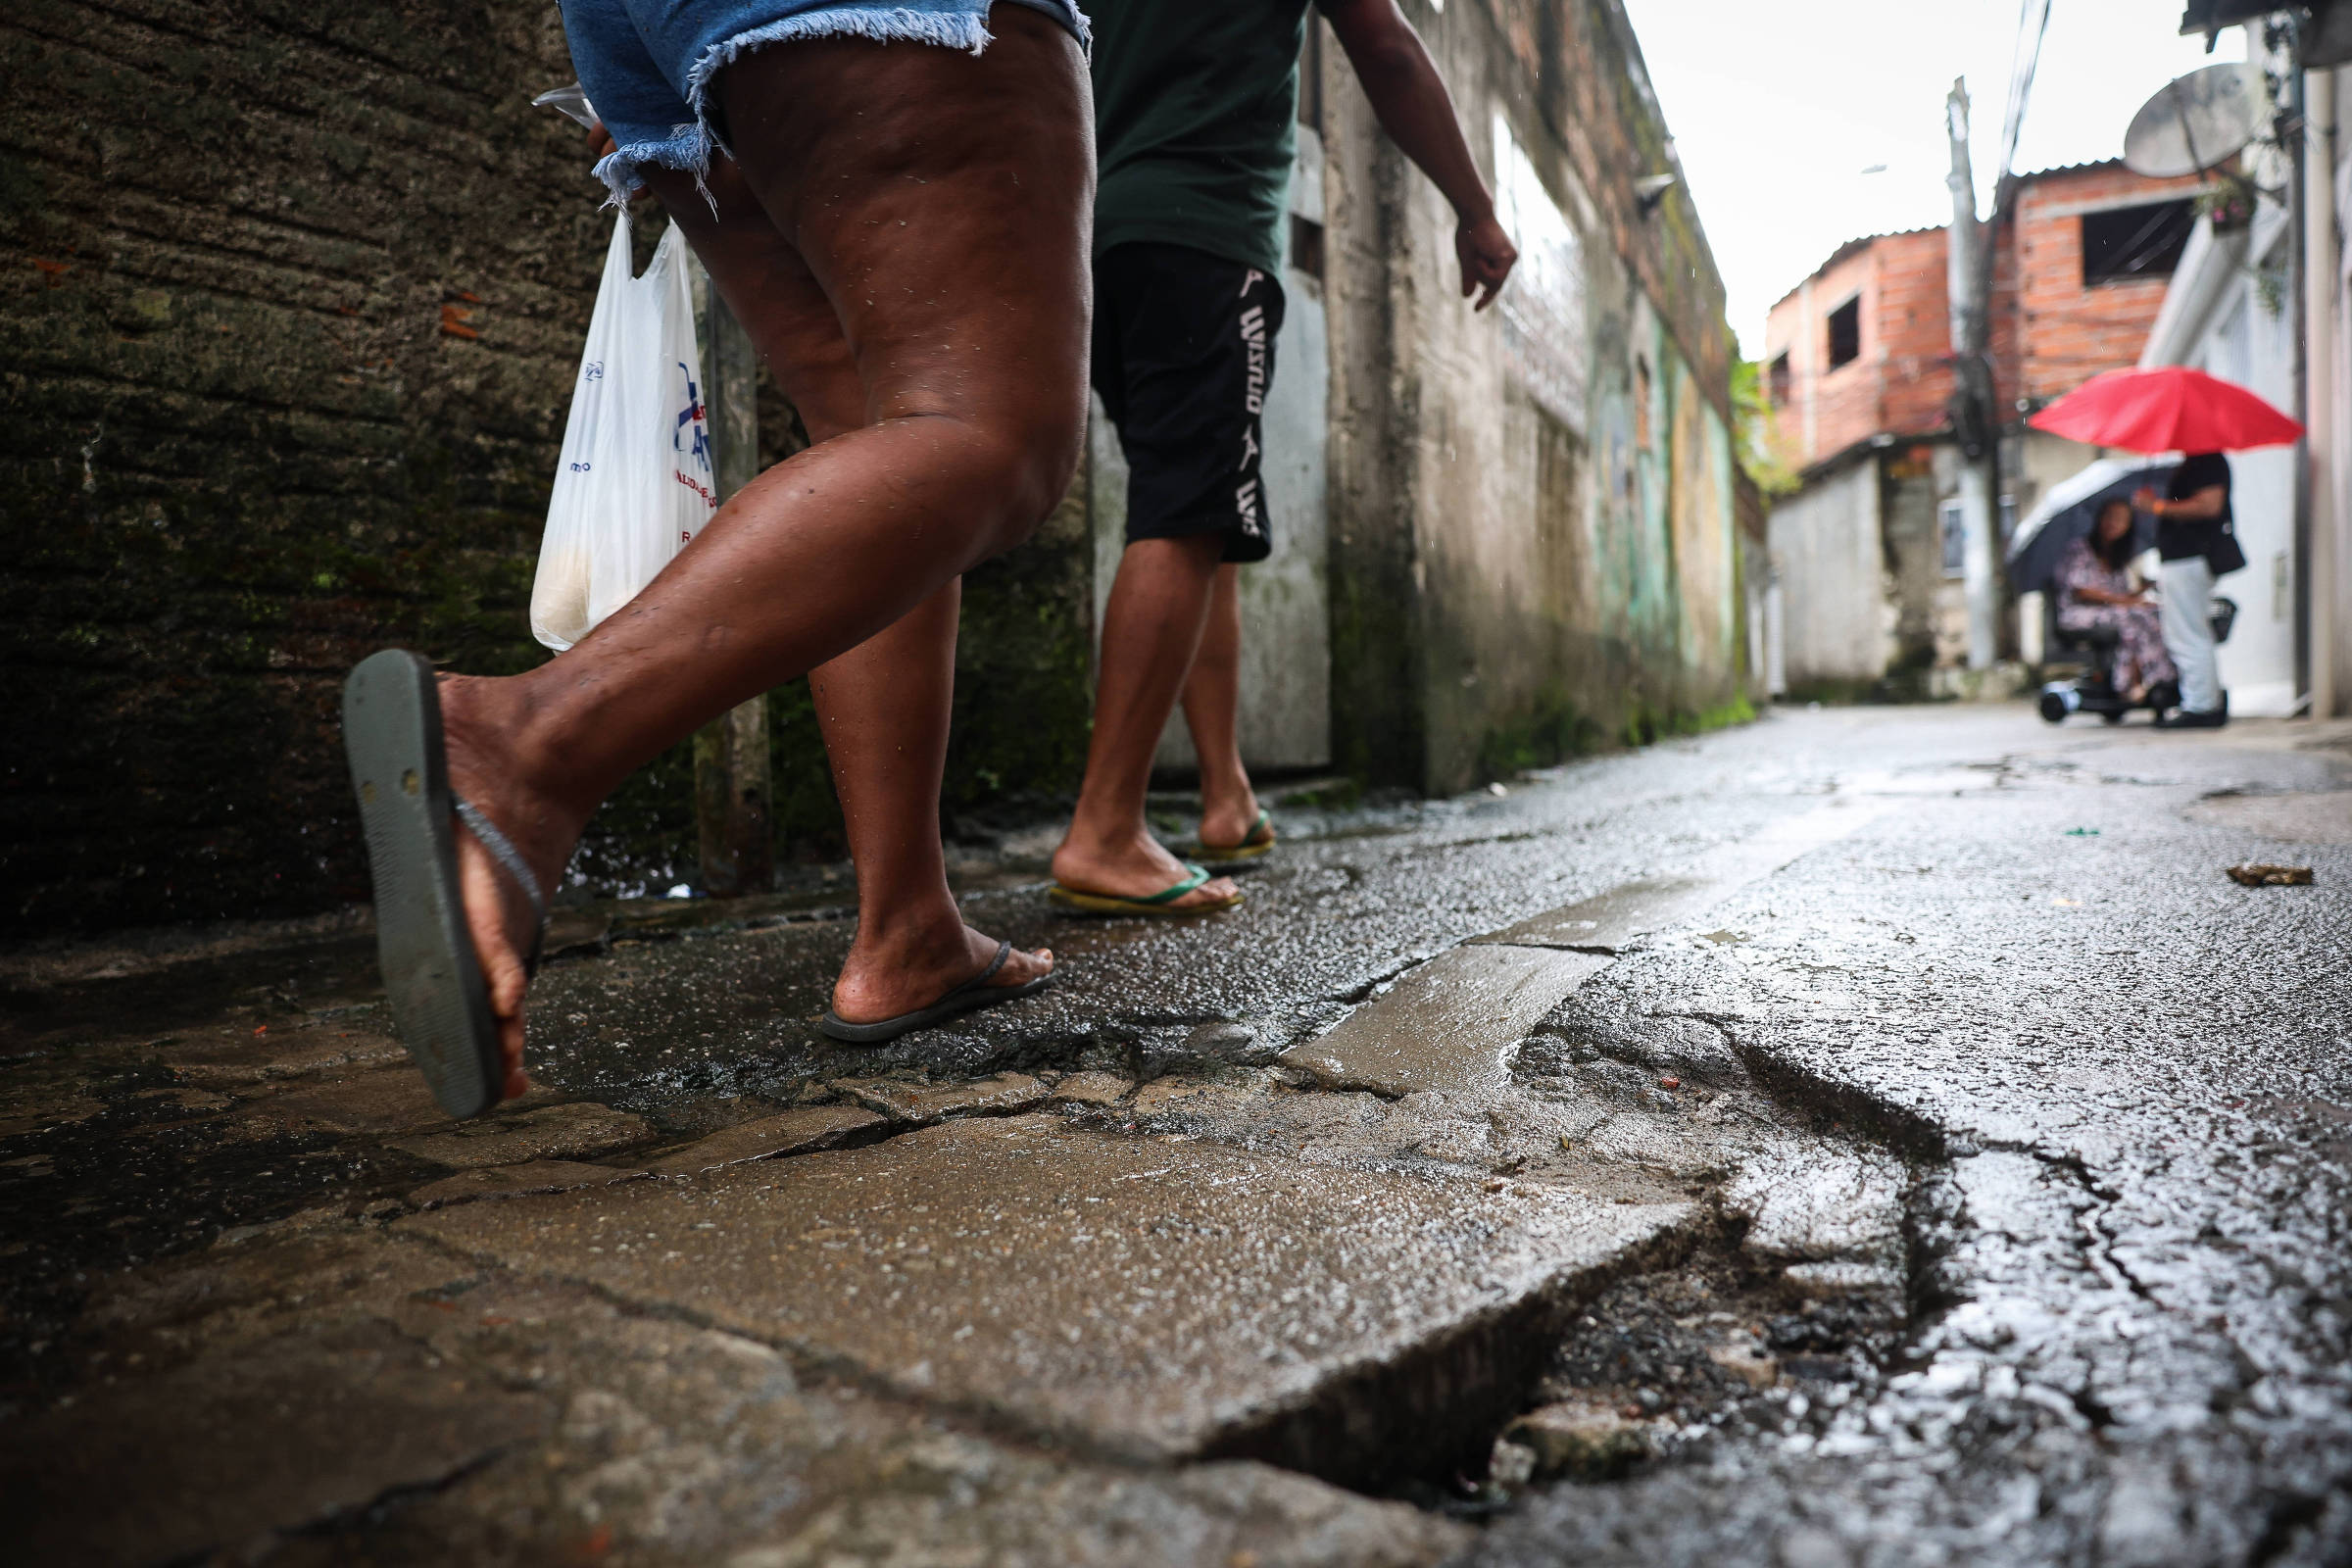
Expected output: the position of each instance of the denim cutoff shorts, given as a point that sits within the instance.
(647, 64)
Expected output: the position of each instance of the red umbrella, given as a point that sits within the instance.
(2168, 408)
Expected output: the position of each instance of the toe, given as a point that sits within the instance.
(1021, 966)
(1215, 891)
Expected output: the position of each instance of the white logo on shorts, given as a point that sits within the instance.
(1254, 334)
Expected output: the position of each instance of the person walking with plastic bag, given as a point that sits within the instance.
(903, 230)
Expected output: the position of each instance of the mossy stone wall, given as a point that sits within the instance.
(292, 297)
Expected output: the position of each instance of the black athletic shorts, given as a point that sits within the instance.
(1183, 357)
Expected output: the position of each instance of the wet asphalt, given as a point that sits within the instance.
(2089, 1102)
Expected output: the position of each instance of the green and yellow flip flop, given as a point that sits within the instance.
(1256, 842)
(1160, 904)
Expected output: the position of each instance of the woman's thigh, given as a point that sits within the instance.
(770, 290)
(942, 203)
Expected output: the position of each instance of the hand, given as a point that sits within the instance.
(1487, 255)
(601, 146)
(2144, 500)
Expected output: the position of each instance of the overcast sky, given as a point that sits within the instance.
(1777, 110)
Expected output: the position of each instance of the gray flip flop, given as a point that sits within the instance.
(969, 997)
(440, 1003)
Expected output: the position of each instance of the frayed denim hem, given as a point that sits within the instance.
(881, 24)
(687, 148)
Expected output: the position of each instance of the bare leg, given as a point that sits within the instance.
(1213, 699)
(940, 204)
(1150, 632)
(884, 707)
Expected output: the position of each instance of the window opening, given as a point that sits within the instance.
(2123, 243)
(1845, 333)
(1777, 382)
(1306, 246)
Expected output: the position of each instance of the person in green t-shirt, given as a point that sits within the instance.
(1195, 107)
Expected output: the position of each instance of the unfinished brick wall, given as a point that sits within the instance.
(294, 294)
(2049, 331)
(2063, 330)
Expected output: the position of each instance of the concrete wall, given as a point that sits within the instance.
(1829, 567)
(1532, 509)
(295, 302)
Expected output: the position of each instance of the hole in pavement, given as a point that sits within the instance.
(1751, 1326)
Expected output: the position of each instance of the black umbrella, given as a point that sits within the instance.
(2071, 510)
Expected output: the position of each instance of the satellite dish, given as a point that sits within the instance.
(2196, 121)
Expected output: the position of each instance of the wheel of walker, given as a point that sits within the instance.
(2053, 708)
(2112, 719)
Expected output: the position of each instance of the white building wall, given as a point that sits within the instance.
(1828, 567)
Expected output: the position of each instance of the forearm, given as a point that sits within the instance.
(2203, 506)
(1411, 101)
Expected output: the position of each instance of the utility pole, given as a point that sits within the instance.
(1971, 395)
(731, 782)
(2319, 567)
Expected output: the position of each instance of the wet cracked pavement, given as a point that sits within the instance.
(1868, 1137)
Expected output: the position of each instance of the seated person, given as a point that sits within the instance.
(2094, 591)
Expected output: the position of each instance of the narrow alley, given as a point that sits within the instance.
(1864, 1136)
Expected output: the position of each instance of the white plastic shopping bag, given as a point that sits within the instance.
(634, 483)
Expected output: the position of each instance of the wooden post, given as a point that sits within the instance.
(731, 787)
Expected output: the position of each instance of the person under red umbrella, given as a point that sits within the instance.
(2196, 544)
(2172, 408)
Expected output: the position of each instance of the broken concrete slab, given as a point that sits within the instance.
(925, 1103)
(279, 1435)
(551, 1132)
(1818, 1203)
(793, 1132)
(1613, 921)
(225, 1060)
(1454, 1023)
(1091, 1089)
(1213, 1300)
(509, 1181)
(371, 1100)
(959, 1500)
(693, 1446)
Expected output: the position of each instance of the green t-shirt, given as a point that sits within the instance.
(1196, 108)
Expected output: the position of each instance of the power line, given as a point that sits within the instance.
(2032, 27)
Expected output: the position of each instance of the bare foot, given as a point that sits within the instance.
(1135, 866)
(477, 725)
(894, 972)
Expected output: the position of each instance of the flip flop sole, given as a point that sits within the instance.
(440, 1005)
(1105, 903)
(838, 1028)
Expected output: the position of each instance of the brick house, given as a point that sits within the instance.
(1858, 371)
